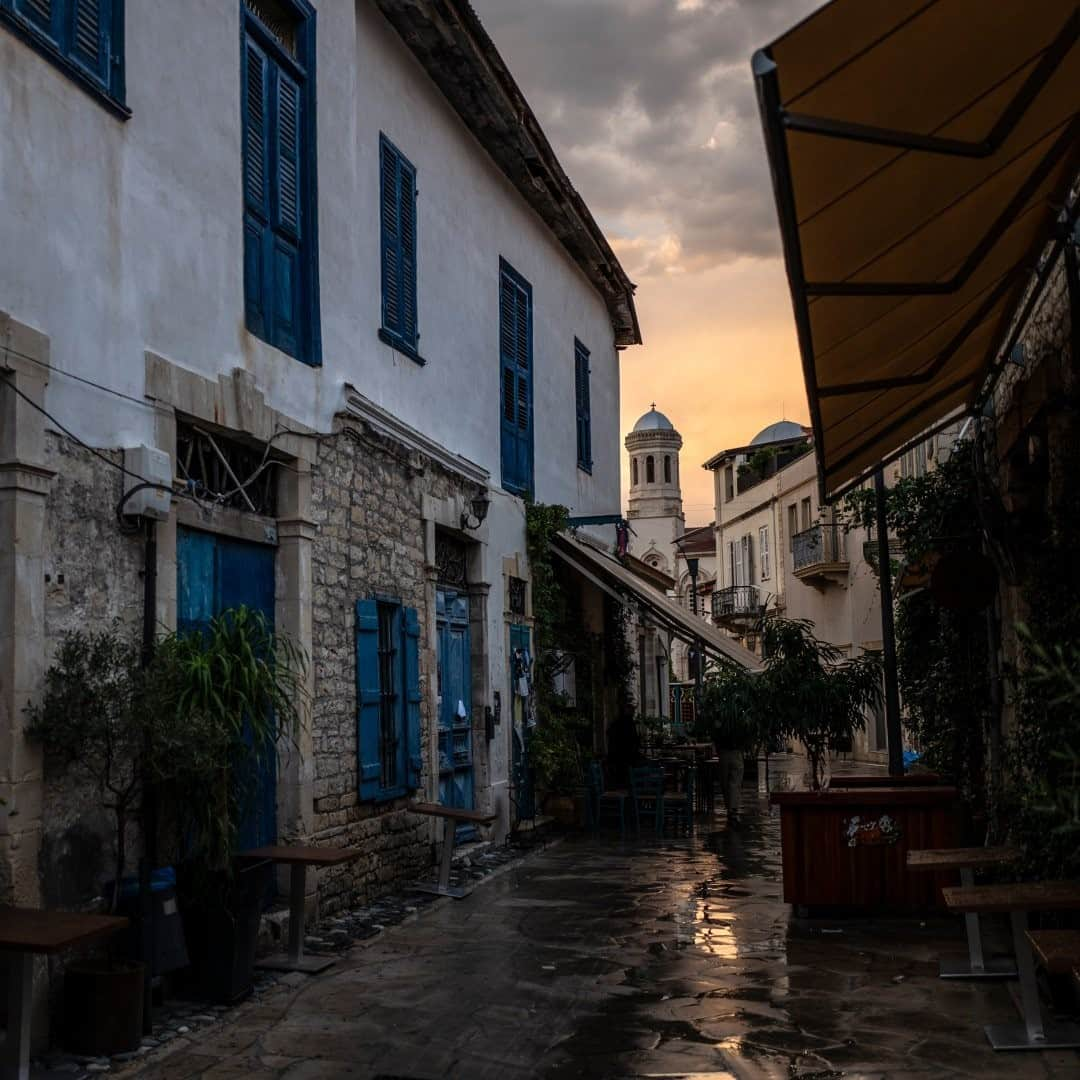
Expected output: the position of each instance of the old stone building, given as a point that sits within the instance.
(350, 425)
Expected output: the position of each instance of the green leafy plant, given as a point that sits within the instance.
(231, 693)
(92, 722)
(816, 694)
(733, 709)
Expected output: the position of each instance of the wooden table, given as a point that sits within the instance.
(25, 933)
(299, 858)
(452, 817)
(967, 861)
(1057, 950)
(1017, 901)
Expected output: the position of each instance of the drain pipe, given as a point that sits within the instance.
(149, 798)
(888, 637)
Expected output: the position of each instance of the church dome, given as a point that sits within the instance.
(781, 431)
(654, 421)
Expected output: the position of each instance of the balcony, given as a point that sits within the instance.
(819, 555)
(737, 607)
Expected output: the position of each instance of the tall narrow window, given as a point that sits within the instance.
(277, 101)
(804, 513)
(515, 365)
(388, 699)
(764, 555)
(633, 471)
(397, 199)
(650, 470)
(582, 398)
(792, 525)
(667, 468)
(84, 38)
(729, 483)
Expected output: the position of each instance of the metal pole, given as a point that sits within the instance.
(149, 826)
(888, 638)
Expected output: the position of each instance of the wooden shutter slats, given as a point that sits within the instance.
(288, 155)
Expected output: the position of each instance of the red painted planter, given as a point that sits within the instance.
(845, 849)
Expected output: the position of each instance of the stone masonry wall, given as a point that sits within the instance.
(366, 501)
(93, 577)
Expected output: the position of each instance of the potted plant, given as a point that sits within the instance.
(555, 754)
(815, 693)
(92, 724)
(231, 692)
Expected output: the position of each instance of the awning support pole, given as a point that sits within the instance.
(888, 637)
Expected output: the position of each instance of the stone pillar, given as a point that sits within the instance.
(24, 485)
(293, 617)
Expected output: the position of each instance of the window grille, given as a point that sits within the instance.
(279, 19)
(227, 472)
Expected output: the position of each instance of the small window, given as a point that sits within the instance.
(388, 699)
(804, 509)
(278, 107)
(792, 525)
(667, 468)
(582, 395)
(729, 483)
(650, 470)
(764, 556)
(633, 472)
(397, 200)
(83, 38)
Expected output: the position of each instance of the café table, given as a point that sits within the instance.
(26, 933)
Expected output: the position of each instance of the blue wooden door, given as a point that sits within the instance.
(455, 699)
(213, 574)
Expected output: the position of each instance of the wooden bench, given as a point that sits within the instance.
(967, 861)
(1017, 900)
(452, 817)
(299, 858)
(26, 933)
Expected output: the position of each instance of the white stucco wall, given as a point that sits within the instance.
(121, 237)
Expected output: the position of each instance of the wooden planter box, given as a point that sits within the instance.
(845, 849)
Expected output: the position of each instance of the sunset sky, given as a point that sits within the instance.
(651, 108)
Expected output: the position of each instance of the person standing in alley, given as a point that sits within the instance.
(727, 716)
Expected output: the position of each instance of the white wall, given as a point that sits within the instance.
(120, 237)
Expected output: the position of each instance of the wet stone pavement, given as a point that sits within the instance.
(604, 958)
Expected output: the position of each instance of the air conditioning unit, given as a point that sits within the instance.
(147, 465)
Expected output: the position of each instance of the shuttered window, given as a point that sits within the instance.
(85, 38)
(516, 380)
(584, 407)
(280, 277)
(764, 554)
(397, 201)
(389, 756)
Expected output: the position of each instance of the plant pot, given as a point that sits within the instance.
(103, 1007)
(222, 933)
(562, 809)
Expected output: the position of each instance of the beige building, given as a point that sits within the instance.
(778, 549)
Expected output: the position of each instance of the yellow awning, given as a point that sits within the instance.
(922, 154)
(611, 576)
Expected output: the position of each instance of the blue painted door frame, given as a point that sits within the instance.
(455, 696)
(213, 574)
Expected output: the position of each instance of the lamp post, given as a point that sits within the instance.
(692, 567)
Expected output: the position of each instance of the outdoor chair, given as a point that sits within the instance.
(597, 796)
(647, 788)
(677, 805)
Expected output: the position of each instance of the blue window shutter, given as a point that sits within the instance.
(411, 731)
(515, 349)
(368, 765)
(46, 15)
(390, 237)
(397, 211)
(287, 285)
(584, 406)
(89, 38)
(256, 148)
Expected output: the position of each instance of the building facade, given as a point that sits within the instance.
(356, 305)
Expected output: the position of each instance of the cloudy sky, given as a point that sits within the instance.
(651, 108)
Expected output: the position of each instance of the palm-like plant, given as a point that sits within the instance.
(817, 695)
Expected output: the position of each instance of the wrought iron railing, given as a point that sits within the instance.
(737, 600)
(818, 545)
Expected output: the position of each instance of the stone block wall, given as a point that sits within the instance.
(93, 577)
(367, 494)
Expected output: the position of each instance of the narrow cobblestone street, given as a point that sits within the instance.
(602, 958)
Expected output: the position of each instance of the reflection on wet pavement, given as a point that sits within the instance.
(604, 958)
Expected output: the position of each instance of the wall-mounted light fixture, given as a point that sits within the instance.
(479, 504)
